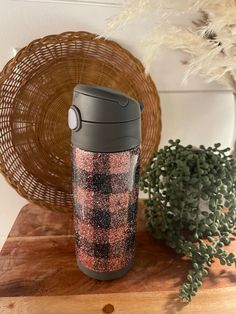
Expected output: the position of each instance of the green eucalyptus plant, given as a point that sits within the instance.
(191, 205)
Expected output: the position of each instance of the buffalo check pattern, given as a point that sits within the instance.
(105, 187)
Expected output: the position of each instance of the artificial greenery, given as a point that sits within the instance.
(191, 205)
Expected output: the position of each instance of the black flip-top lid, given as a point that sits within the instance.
(103, 104)
(104, 119)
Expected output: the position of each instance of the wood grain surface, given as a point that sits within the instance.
(164, 302)
(38, 269)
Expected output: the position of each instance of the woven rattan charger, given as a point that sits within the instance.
(35, 94)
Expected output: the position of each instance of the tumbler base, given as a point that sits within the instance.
(105, 275)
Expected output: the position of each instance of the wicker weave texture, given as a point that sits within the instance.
(35, 94)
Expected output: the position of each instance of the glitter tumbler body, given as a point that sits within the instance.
(105, 159)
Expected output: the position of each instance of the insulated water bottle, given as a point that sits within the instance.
(106, 134)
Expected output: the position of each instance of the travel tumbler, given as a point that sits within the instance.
(106, 134)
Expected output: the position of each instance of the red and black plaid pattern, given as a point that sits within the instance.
(105, 198)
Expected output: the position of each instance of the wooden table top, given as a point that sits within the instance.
(38, 274)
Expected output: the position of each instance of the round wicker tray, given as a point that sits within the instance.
(35, 94)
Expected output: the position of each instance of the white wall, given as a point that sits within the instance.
(196, 113)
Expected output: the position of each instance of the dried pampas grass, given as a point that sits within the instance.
(210, 41)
